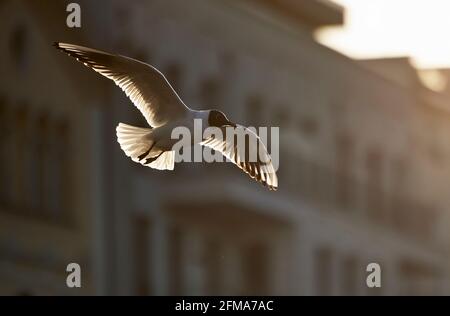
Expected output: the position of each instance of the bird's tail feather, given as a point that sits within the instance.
(133, 142)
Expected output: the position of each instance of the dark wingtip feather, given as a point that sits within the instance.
(58, 46)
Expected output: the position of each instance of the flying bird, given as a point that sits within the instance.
(163, 109)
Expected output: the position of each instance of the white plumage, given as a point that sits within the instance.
(164, 110)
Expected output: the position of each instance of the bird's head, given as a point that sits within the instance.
(218, 119)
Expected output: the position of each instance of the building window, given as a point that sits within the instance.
(308, 126)
(350, 275)
(399, 169)
(398, 203)
(344, 153)
(417, 277)
(281, 117)
(43, 153)
(175, 260)
(37, 155)
(173, 74)
(212, 258)
(60, 180)
(374, 185)
(285, 170)
(255, 111)
(33, 168)
(323, 271)
(6, 170)
(421, 220)
(18, 45)
(19, 150)
(123, 15)
(142, 255)
(307, 178)
(142, 55)
(210, 92)
(255, 270)
(227, 61)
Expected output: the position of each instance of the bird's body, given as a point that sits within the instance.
(164, 111)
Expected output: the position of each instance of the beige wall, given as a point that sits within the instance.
(36, 243)
(232, 54)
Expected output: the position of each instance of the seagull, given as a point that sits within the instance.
(163, 109)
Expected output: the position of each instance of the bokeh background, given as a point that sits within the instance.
(364, 157)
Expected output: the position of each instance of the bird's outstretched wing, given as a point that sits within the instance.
(260, 169)
(147, 88)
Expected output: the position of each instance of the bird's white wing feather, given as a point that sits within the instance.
(260, 169)
(147, 88)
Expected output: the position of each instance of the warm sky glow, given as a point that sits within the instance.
(380, 28)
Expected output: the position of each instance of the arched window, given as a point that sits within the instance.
(32, 166)
(59, 178)
(5, 155)
(18, 154)
(43, 154)
(19, 46)
(36, 164)
(65, 180)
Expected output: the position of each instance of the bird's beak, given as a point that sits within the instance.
(228, 123)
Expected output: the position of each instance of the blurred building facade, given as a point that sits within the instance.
(364, 158)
